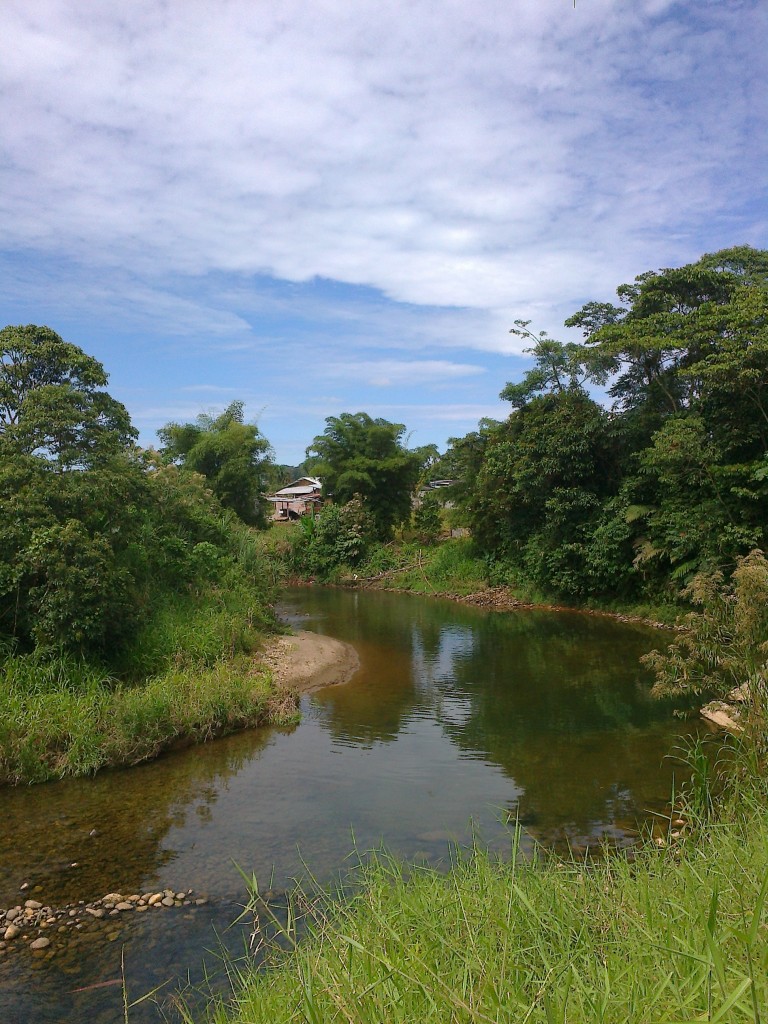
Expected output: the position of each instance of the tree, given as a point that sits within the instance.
(69, 484)
(689, 353)
(546, 472)
(358, 455)
(559, 368)
(462, 463)
(231, 454)
(52, 405)
(671, 323)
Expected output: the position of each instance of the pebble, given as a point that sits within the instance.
(29, 920)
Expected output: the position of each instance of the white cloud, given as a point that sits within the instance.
(278, 188)
(481, 156)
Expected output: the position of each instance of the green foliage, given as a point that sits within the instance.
(724, 644)
(52, 404)
(93, 534)
(357, 456)
(232, 456)
(462, 463)
(544, 474)
(427, 518)
(187, 673)
(335, 540)
(60, 719)
(558, 368)
(674, 480)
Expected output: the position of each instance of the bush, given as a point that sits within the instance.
(338, 538)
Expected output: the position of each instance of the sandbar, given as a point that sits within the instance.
(305, 661)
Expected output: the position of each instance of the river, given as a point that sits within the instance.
(459, 722)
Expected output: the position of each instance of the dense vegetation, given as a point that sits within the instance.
(364, 458)
(125, 585)
(672, 480)
(569, 499)
(231, 454)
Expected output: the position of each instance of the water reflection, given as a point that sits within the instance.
(457, 720)
(559, 703)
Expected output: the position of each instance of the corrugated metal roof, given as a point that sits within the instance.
(286, 492)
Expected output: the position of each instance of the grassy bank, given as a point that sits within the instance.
(676, 934)
(448, 568)
(188, 677)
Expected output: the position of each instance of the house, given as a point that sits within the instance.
(299, 498)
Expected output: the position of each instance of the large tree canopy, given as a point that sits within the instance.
(52, 402)
(358, 455)
(673, 479)
(231, 454)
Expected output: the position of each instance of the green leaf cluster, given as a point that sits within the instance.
(672, 479)
(358, 456)
(232, 455)
(94, 533)
(337, 539)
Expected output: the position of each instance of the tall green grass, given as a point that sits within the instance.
(677, 934)
(450, 567)
(188, 677)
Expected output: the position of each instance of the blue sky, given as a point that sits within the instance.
(320, 206)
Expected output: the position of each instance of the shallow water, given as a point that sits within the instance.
(459, 721)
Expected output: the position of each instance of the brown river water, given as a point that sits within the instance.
(459, 722)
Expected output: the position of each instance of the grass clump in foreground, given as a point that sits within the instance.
(189, 677)
(674, 934)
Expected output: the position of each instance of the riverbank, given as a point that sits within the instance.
(677, 933)
(503, 599)
(452, 569)
(66, 719)
(304, 662)
(67, 724)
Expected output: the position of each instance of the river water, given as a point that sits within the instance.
(459, 722)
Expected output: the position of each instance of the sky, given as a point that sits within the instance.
(327, 206)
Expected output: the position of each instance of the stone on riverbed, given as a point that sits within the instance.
(42, 943)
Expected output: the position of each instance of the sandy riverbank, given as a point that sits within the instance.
(306, 661)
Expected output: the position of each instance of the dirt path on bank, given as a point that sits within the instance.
(306, 661)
